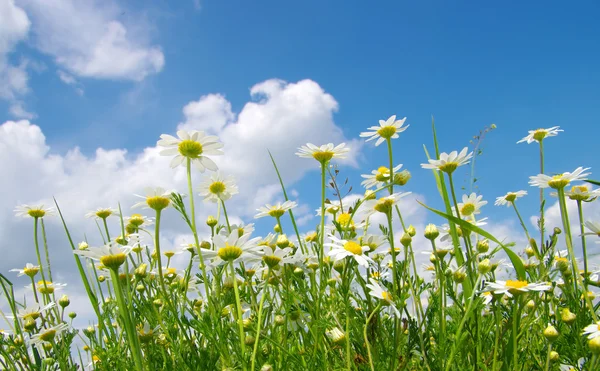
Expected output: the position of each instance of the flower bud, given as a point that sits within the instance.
(89, 331)
(554, 356)
(64, 301)
(277, 228)
(279, 320)
(411, 230)
(567, 316)
(282, 241)
(557, 230)
(339, 265)
(266, 367)
(431, 232)
(140, 288)
(551, 333)
(101, 279)
(83, 245)
(483, 246)
(402, 177)
(205, 245)
(211, 221)
(141, 271)
(459, 276)
(29, 325)
(529, 251)
(370, 195)
(72, 315)
(484, 266)
(405, 240)
(594, 345)
(530, 306)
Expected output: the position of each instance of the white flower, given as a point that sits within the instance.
(387, 129)
(241, 228)
(375, 242)
(102, 213)
(47, 287)
(515, 287)
(323, 153)
(487, 297)
(509, 198)
(33, 211)
(156, 198)
(449, 162)
(471, 204)
(383, 205)
(340, 249)
(193, 145)
(276, 211)
(139, 220)
(592, 331)
(29, 268)
(378, 178)
(593, 226)
(111, 255)
(33, 311)
(218, 188)
(234, 248)
(539, 134)
(273, 257)
(48, 334)
(378, 292)
(558, 181)
(331, 207)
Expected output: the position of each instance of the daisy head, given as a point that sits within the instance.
(276, 211)
(387, 129)
(592, 331)
(378, 178)
(218, 187)
(582, 193)
(340, 249)
(509, 198)
(193, 146)
(102, 213)
(539, 134)
(111, 255)
(29, 270)
(471, 204)
(376, 291)
(48, 335)
(559, 181)
(138, 221)
(449, 162)
(33, 211)
(233, 247)
(155, 198)
(324, 153)
(382, 205)
(47, 287)
(515, 287)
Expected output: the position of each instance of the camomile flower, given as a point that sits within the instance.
(331, 207)
(383, 205)
(378, 292)
(558, 181)
(274, 257)
(592, 331)
(297, 319)
(471, 204)
(241, 228)
(340, 249)
(449, 162)
(33, 311)
(487, 297)
(593, 226)
(509, 198)
(111, 255)
(156, 198)
(378, 178)
(102, 213)
(48, 334)
(29, 270)
(194, 146)
(582, 193)
(33, 211)
(138, 220)
(233, 248)
(324, 153)
(218, 188)
(146, 332)
(374, 242)
(539, 134)
(47, 287)
(515, 287)
(276, 211)
(387, 129)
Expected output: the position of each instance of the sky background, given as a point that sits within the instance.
(87, 87)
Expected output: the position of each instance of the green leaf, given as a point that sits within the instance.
(514, 258)
(594, 182)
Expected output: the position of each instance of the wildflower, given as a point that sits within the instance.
(582, 193)
(539, 134)
(515, 287)
(567, 316)
(49, 334)
(331, 207)
(193, 146)
(373, 241)
(387, 129)
(233, 248)
(378, 178)
(449, 162)
(593, 226)
(471, 204)
(101, 213)
(272, 258)
(379, 293)
(34, 211)
(241, 228)
(551, 333)
(276, 211)
(155, 198)
(64, 301)
(558, 181)
(324, 153)
(111, 255)
(509, 198)
(592, 331)
(336, 335)
(29, 270)
(383, 205)
(146, 333)
(138, 220)
(487, 297)
(340, 249)
(218, 188)
(33, 311)
(83, 245)
(594, 345)
(47, 287)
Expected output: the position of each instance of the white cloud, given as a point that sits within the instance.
(14, 25)
(69, 79)
(88, 38)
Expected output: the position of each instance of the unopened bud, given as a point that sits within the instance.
(406, 240)
(211, 221)
(567, 316)
(411, 230)
(64, 301)
(551, 333)
(484, 266)
(483, 246)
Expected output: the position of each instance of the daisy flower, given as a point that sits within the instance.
(378, 292)
(29, 270)
(218, 188)
(274, 257)
(539, 134)
(340, 249)
(383, 205)
(241, 228)
(49, 334)
(111, 255)
(156, 198)
(193, 146)
(146, 333)
(33, 211)
(297, 319)
(582, 193)
(331, 207)
(33, 311)
(323, 153)
(509, 198)
(515, 287)
(487, 297)
(471, 204)
(592, 331)
(387, 129)
(558, 181)
(374, 242)
(102, 213)
(378, 178)
(594, 227)
(449, 162)
(47, 287)
(138, 220)
(234, 248)
(276, 211)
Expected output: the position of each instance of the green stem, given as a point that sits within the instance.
(226, 217)
(583, 244)
(161, 278)
(46, 250)
(496, 336)
(259, 323)
(514, 335)
(239, 314)
(389, 146)
(367, 339)
(548, 358)
(541, 222)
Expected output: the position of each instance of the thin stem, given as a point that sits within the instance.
(226, 217)
(541, 222)
(583, 244)
(239, 314)
(548, 357)
(46, 250)
(515, 336)
(367, 339)
(259, 323)
(389, 146)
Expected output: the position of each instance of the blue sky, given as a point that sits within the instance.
(520, 65)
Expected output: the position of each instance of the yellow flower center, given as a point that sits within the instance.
(217, 188)
(32, 315)
(515, 285)
(45, 287)
(448, 167)
(384, 205)
(323, 156)
(170, 271)
(539, 134)
(104, 213)
(467, 209)
(190, 149)
(229, 252)
(345, 220)
(579, 193)
(158, 202)
(387, 132)
(31, 271)
(386, 296)
(169, 254)
(113, 261)
(36, 213)
(558, 182)
(510, 197)
(383, 174)
(48, 335)
(376, 275)
(136, 220)
(311, 237)
(353, 247)
(276, 212)
(271, 260)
